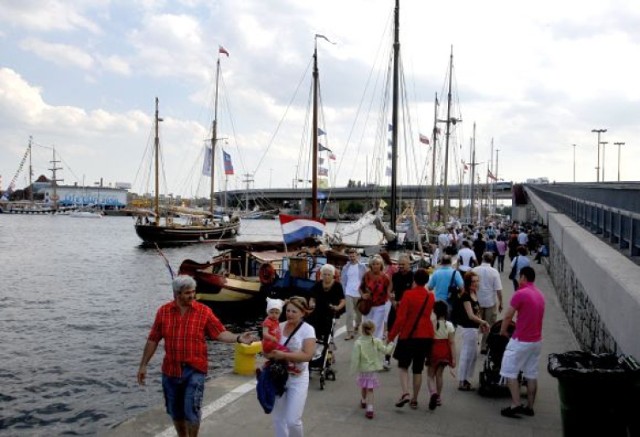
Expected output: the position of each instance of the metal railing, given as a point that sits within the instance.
(619, 227)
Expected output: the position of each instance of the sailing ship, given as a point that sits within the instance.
(177, 226)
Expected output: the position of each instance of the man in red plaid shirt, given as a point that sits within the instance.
(184, 324)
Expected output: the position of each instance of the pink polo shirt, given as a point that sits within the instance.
(528, 301)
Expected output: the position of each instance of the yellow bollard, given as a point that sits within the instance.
(245, 358)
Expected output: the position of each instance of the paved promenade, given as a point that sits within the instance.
(231, 407)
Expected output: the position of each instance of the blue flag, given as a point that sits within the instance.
(321, 132)
(228, 165)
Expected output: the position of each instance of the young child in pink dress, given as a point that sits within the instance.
(271, 333)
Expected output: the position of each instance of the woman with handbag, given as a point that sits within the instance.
(465, 317)
(300, 338)
(414, 330)
(376, 287)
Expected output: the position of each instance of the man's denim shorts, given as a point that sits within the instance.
(183, 396)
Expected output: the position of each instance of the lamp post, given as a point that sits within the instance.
(619, 144)
(574, 163)
(598, 131)
(604, 143)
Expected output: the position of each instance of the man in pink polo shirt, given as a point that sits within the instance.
(523, 350)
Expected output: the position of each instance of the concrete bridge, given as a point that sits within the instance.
(594, 245)
(501, 190)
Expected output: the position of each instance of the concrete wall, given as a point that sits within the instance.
(598, 287)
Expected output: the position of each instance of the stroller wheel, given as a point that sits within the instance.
(321, 382)
(331, 375)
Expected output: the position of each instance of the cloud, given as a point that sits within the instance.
(52, 15)
(60, 54)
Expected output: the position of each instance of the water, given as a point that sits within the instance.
(78, 297)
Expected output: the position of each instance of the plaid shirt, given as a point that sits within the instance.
(184, 336)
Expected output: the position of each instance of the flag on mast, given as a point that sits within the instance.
(206, 164)
(228, 165)
(223, 51)
(491, 176)
(424, 139)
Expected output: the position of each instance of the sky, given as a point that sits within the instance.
(534, 78)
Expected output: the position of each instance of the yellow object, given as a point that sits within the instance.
(245, 358)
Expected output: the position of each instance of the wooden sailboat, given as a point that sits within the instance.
(196, 226)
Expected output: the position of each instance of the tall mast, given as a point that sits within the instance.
(394, 115)
(30, 172)
(433, 157)
(473, 172)
(157, 166)
(446, 148)
(214, 134)
(54, 182)
(314, 134)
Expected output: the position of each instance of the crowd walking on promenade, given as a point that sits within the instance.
(433, 318)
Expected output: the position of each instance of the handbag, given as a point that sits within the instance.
(272, 379)
(364, 305)
(452, 291)
(514, 269)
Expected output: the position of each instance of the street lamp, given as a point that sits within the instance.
(598, 131)
(574, 163)
(604, 143)
(619, 144)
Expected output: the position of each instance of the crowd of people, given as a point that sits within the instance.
(424, 318)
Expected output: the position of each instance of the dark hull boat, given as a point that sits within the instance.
(178, 234)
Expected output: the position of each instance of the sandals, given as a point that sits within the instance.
(465, 386)
(404, 400)
(433, 401)
(413, 404)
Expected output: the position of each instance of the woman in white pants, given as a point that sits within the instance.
(376, 285)
(465, 316)
(288, 408)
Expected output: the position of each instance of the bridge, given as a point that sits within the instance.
(594, 249)
(501, 190)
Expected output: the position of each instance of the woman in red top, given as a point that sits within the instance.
(376, 285)
(415, 331)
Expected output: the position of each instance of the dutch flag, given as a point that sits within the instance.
(295, 228)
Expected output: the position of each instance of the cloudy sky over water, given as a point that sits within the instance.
(535, 77)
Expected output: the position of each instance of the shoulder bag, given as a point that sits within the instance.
(452, 291)
(514, 269)
(406, 344)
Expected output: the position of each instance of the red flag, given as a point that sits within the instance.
(332, 156)
(466, 167)
(223, 51)
(424, 139)
(491, 176)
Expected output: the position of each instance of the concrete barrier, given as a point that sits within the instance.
(597, 286)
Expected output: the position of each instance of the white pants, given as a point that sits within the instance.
(378, 316)
(468, 353)
(287, 412)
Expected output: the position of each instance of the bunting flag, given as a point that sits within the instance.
(388, 172)
(390, 142)
(491, 176)
(295, 228)
(320, 161)
(228, 165)
(424, 139)
(390, 127)
(323, 171)
(466, 167)
(206, 164)
(223, 51)
(332, 156)
(321, 132)
(322, 148)
(389, 155)
(438, 130)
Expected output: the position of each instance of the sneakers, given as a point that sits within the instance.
(386, 365)
(525, 411)
(510, 412)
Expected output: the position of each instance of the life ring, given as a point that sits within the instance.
(267, 274)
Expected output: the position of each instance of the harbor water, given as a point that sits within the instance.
(78, 297)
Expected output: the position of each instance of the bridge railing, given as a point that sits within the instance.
(620, 227)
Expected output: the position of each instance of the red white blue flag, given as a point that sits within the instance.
(223, 51)
(295, 228)
(228, 165)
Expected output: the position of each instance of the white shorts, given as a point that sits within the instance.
(521, 356)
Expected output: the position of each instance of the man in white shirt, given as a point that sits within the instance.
(489, 288)
(466, 258)
(523, 238)
(351, 277)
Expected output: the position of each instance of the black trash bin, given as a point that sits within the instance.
(599, 393)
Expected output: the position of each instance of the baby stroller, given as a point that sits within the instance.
(490, 373)
(324, 357)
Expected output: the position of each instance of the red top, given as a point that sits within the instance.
(184, 336)
(411, 303)
(273, 327)
(378, 286)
